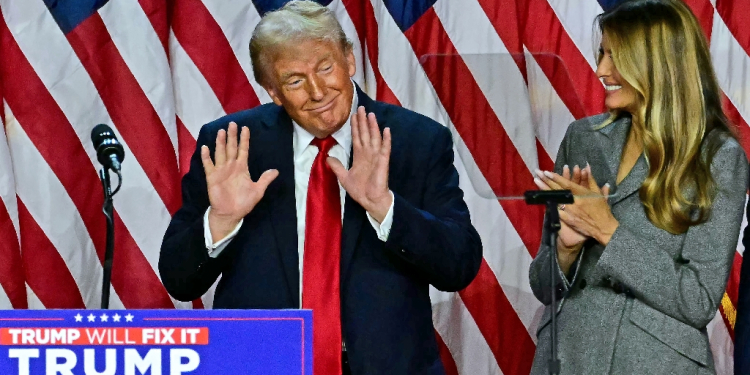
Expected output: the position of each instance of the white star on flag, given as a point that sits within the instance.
(91, 318)
(116, 317)
(78, 317)
(129, 318)
(104, 317)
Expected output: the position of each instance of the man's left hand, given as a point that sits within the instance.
(367, 179)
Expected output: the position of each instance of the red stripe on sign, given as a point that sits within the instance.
(504, 16)
(704, 11)
(129, 107)
(504, 332)
(736, 15)
(561, 61)
(445, 355)
(185, 146)
(479, 127)
(741, 128)
(202, 39)
(46, 272)
(11, 266)
(54, 137)
(156, 11)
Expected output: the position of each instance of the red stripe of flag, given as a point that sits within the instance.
(363, 16)
(736, 15)
(497, 158)
(504, 16)
(445, 355)
(129, 107)
(741, 128)
(561, 61)
(704, 11)
(479, 127)
(54, 138)
(185, 146)
(46, 272)
(156, 11)
(11, 266)
(202, 39)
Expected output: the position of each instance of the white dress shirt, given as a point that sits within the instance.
(304, 155)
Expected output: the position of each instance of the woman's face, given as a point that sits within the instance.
(620, 94)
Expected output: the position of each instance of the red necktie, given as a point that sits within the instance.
(320, 274)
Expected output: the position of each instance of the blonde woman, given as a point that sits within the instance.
(642, 273)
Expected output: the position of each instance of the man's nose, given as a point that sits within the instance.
(317, 88)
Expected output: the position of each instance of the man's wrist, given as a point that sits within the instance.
(380, 209)
(220, 225)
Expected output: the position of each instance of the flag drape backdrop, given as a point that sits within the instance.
(156, 70)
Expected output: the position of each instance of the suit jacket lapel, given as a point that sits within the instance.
(354, 214)
(617, 134)
(273, 149)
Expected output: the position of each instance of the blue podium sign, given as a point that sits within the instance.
(155, 342)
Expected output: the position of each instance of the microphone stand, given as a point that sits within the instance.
(108, 210)
(551, 199)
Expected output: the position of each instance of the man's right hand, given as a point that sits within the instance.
(231, 192)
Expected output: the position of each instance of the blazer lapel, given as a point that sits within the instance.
(617, 134)
(273, 149)
(354, 214)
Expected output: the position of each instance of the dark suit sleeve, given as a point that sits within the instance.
(742, 326)
(186, 270)
(438, 238)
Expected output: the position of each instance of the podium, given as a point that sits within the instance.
(155, 342)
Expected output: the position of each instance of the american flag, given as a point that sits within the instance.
(156, 70)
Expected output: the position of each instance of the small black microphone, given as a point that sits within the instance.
(109, 151)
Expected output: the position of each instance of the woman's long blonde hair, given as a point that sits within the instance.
(659, 48)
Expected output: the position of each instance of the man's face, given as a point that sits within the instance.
(311, 80)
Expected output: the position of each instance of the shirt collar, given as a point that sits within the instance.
(343, 136)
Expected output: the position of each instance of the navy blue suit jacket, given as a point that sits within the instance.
(742, 324)
(385, 306)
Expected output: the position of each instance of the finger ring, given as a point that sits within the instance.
(562, 207)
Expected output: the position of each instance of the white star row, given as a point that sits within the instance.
(91, 318)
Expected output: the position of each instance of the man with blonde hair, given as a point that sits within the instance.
(303, 207)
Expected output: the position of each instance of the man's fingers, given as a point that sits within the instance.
(375, 138)
(244, 149)
(232, 142)
(208, 165)
(220, 153)
(385, 149)
(338, 169)
(364, 132)
(356, 139)
(266, 178)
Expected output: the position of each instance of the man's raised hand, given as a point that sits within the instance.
(231, 192)
(367, 179)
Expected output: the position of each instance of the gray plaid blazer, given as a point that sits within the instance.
(641, 304)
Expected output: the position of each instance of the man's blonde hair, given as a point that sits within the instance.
(296, 21)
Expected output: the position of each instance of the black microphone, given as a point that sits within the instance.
(109, 151)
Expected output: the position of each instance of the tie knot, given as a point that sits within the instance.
(324, 145)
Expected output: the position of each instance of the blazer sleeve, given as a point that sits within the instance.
(539, 272)
(438, 238)
(689, 288)
(742, 326)
(186, 269)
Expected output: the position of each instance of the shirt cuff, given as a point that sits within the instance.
(214, 249)
(383, 229)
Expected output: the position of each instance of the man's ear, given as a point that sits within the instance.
(351, 61)
(273, 93)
